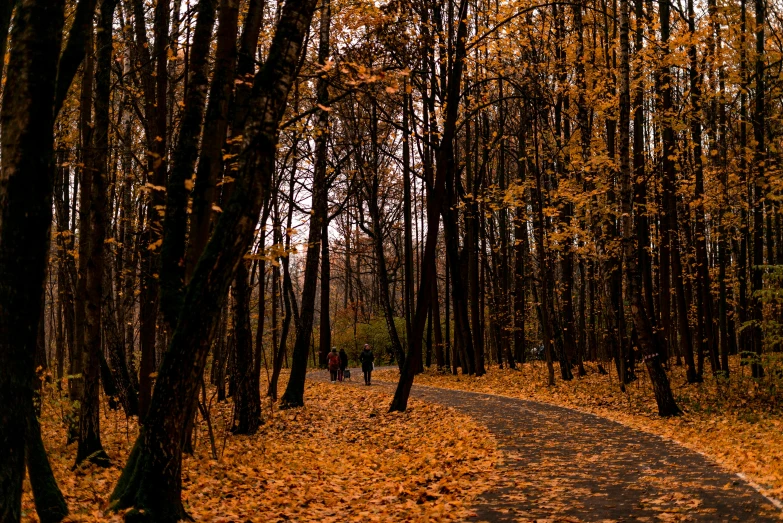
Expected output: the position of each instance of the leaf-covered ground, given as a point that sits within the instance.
(562, 465)
(341, 458)
(737, 423)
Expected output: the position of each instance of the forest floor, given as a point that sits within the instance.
(341, 458)
(736, 423)
(563, 466)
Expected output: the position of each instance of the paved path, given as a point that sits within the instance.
(566, 466)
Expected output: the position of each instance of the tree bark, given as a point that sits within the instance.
(247, 401)
(321, 152)
(759, 159)
(435, 200)
(702, 263)
(172, 254)
(670, 207)
(210, 163)
(95, 171)
(294, 394)
(633, 278)
(154, 83)
(26, 187)
(151, 480)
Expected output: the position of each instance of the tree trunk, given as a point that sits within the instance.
(633, 280)
(702, 264)
(670, 208)
(437, 327)
(172, 254)
(259, 345)
(321, 152)
(543, 275)
(247, 402)
(95, 172)
(287, 292)
(435, 201)
(151, 480)
(27, 122)
(759, 159)
(410, 276)
(154, 83)
(520, 251)
(76, 384)
(210, 162)
(325, 329)
(294, 394)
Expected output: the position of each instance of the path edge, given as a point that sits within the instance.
(765, 493)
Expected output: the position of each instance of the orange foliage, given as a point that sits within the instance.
(738, 424)
(341, 458)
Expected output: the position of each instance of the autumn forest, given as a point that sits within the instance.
(574, 205)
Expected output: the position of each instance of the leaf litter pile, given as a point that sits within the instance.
(737, 422)
(343, 457)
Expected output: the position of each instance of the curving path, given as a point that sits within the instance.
(562, 465)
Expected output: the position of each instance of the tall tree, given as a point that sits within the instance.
(632, 275)
(445, 167)
(96, 174)
(325, 330)
(26, 187)
(151, 480)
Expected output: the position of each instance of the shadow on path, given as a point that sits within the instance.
(562, 465)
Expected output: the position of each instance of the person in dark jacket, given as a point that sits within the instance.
(333, 362)
(367, 358)
(343, 365)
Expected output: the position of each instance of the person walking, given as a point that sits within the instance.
(333, 362)
(343, 365)
(367, 358)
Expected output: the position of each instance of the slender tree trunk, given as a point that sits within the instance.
(321, 153)
(180, 260)
(465, 289)
(543, 275)
(258, 355)
(741, 307)
(96, 175)
(247, 403)
(287, 293)
(506, 318)
(210, 162)
(640, 189)
(437, 327)
(294, 394)
(759, 159)
(520, 251)
(76, 384)
(702, 263)
(435, 201)
(410, 276)
(670, 207)
(154, 86)
(649, 348)
(325, 330)
(172, 272)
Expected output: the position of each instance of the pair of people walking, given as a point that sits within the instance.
(337, 362)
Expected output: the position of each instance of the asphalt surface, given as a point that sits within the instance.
(562, 465)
